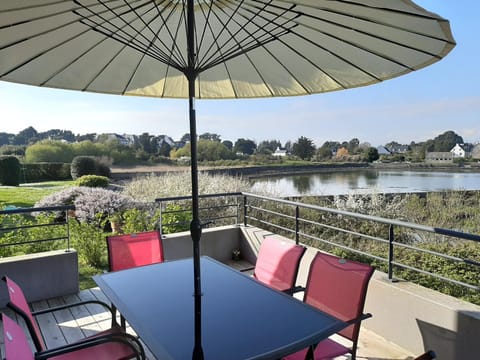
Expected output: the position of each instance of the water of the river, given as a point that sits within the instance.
(365, 181)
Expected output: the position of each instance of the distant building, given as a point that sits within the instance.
(382, 150)
(439, 157)
(280, 152)
(122, 139)
(475, 154)
(458, 151)
(397, 148)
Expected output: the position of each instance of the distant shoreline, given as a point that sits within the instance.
(122, 173)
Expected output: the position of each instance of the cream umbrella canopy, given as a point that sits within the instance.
(211, 49)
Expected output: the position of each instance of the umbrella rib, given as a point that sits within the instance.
(155, 34)
(383, 56)
(378, 23)
(220, 32)
(250, 42)
(336, 55)
(122, 36)
(28, 7)
(46, 50)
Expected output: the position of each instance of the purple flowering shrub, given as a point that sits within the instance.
(89, 202)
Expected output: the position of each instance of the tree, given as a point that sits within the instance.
(228, 144)
(146, 145)
(370, 154)
(323, 153)
(209, 136)
(26, 136)
(342, 153)
(5, 138)
(268, 147)
(353, 145)
(245, 146)
(210, 150)
(185, 138)
(446, 141)
(303, 148)
(49, 151)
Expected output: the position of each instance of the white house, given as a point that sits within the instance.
(458, 151)
(280, 152)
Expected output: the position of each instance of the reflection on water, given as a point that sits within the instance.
(365, 181)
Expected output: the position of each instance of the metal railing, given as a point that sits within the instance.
(342, 231)
(18, 222)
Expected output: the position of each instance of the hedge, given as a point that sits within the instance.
(51, 171)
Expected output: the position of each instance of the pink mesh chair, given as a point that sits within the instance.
(277, 263)
(115, 340)
(132, 250)
(338, 287)
(113, 347)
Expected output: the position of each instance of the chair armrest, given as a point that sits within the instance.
(124, 338)
(360, 318)
(247, 269)
(294, 290)
(62, 307)
(80, 303)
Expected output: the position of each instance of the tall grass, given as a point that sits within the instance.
(179, 184)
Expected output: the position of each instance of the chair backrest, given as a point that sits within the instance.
(132, 250)
(338, 287)
(277, 263)
(16, 344)
(18, 303)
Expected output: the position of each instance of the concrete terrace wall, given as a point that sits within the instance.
(409, 315)
(41, 275)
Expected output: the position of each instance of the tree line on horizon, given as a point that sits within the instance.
(62, 146)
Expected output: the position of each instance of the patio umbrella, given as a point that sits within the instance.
(212, 49)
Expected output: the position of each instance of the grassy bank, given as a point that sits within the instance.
(27, 195)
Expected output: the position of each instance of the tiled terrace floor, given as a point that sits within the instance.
(67, 326)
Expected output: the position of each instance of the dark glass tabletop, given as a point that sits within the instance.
(241, 318)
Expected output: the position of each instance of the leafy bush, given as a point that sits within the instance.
(89, 240)
(82, 165)
(47, 171)
(92, 181)
(89, 165)
(9, 170)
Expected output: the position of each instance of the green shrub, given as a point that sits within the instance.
(9, 170)
(92, 181)
(46, 171)
(82, 165)
(89, 165)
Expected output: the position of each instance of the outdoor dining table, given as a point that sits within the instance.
(241, 318)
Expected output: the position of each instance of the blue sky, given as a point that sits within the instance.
(415, 107)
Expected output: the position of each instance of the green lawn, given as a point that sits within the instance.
(26, 195)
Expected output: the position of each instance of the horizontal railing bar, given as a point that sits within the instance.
(33, 226)
(366, 236)
(378, 219)
(285, 216)
(189, 197)
(33, 241)
(39, 209)
(343, 247)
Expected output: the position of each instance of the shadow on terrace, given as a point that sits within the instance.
(38, 253)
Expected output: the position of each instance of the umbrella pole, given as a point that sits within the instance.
(195, 225)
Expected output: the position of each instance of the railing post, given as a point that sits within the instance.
(390, 252)
(297, 223)
(244, 210)
(160, 220)
(67, 219)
